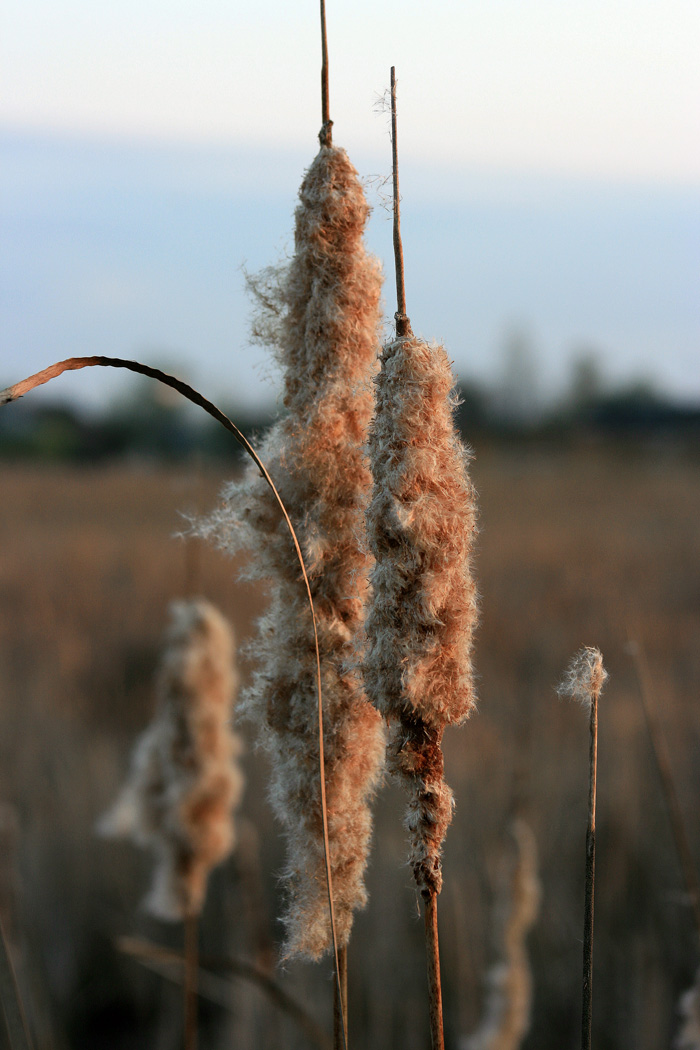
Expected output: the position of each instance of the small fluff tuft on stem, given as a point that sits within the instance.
(421, 524)
(584, 677)
(321, 316)
(185, 781)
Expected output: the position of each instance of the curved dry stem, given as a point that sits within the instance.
(72, 364)
(170, 964)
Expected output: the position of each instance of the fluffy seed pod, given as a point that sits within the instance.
(421, 524)
(321, 316)
(584, 678)
(185, 781)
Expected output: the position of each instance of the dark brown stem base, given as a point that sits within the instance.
(190, 984)
(340, 1002)
(587, 1004)
(434, 985)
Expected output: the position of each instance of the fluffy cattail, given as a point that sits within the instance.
(506, 1019)
(421, 524)
(584, 677)
(321, 315)
(184, 780)
(689, 1008)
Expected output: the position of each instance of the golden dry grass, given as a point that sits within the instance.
(573, 549)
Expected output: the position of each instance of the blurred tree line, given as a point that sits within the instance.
(152, 422)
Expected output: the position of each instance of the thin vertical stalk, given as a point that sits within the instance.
(403, 328)
(587, 1008)
(663, 764)
(326, 122)
(191, 932)
(12, 1007)
(403, 325)
(434, 984)
(340, 1002)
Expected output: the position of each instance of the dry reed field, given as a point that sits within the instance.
(575, 547)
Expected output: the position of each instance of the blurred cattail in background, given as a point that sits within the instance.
(506, 1019)
(185, 781)
(689, 1008)
(321, 315)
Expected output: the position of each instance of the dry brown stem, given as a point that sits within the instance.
(170, 965)
(583, 682)
(12, 1006)
(191, 973)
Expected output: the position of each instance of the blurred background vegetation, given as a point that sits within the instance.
(151, 421)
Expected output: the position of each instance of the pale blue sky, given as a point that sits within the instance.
(603, 87)
(550, 176)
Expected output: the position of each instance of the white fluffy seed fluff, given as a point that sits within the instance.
(321, 317)
(584, 678)
(506, 1019)
(421, 525)
(185, 780)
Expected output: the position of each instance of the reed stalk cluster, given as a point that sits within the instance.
(185, 780)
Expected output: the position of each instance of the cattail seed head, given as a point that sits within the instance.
(321, 316)
(185, 780)
(420, 524)
(584, 678)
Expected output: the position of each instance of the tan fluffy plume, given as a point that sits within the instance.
(506, 1019)
(421, 525)
(321, 316)
(584, 677)
(185, 781)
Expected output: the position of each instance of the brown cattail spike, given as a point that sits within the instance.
(421, 524)
(185, 780)
(321, 316)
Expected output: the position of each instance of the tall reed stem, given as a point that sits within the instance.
(403, 328)
(340, 1002)
(437, 1036)
(326, 122)
(11, 1001)
(191, 931)
(587, 1009)
(403, 325)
